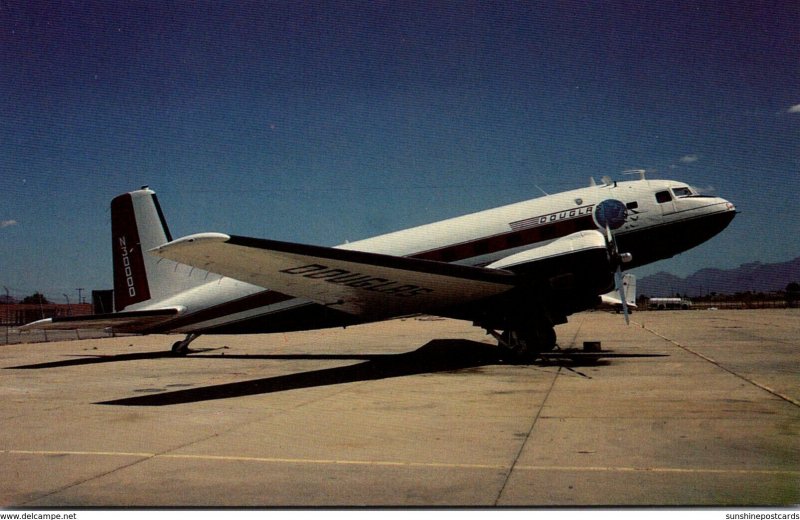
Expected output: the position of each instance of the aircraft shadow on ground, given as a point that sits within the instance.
(94, 359)
(435, 356)
(440, 355)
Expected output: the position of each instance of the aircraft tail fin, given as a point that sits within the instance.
(611, 299)
(142, 280)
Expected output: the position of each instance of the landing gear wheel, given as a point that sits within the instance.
(544, 339)
(181, 348)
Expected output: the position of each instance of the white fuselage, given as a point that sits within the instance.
(662, 218)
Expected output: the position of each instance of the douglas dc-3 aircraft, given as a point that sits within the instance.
(516, 271)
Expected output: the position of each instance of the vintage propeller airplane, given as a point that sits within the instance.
(516, 271)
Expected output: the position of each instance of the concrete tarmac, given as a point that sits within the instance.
(690, 408)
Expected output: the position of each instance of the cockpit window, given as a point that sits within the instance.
(682, 192)
(663, 196)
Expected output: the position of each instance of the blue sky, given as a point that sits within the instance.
(321, 122)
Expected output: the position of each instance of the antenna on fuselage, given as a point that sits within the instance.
(640, 172)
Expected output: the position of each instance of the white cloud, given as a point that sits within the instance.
(693, 157)
(7, 223)
(794, 109)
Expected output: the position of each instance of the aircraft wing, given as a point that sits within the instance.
(130, 321)
(364, 284)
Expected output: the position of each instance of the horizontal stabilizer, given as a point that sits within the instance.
(132, 321)
(367, 285)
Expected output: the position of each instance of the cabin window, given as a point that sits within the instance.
(632, 205)
(663, 196)
(682, 192)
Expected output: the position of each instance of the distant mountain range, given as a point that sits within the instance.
(755, 277)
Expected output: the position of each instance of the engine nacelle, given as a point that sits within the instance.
(577, 262)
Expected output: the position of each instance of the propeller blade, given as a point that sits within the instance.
(618, 259)
(622, 295)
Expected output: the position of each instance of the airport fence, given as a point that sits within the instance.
(13, 336)
(16, 314)
(743, 305)
(21, 313)
(730, 305)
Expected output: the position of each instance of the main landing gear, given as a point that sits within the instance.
(181, 348)
(525, 343)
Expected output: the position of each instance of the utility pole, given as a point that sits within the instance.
(8, 301)
(79, 289)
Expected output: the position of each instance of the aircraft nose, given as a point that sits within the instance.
(727, 214)
(729, 206)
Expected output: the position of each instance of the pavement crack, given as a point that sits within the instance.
(88, 479)
(726, 369)
(525, 440)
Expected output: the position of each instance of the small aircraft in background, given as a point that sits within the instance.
(516, 270)
(612, 300)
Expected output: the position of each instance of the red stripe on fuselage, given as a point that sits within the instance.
(509, 240)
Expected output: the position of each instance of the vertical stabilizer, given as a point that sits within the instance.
(140, 279)
(130, 275)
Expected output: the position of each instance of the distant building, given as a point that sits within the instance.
(19, 314)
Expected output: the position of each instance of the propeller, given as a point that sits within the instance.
(618, 259)
(621, 291)
(607, 212)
